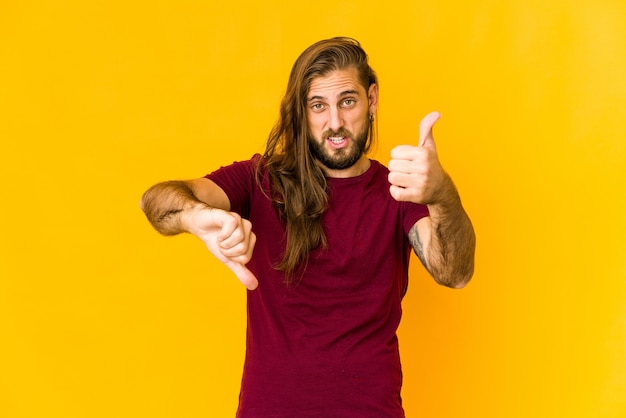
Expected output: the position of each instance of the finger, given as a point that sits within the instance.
(405, 152)
(403, 180)
(402, 166)
(400, 193)
(416, 165)
(245, 276)
(235, 234)
(242, 252)
(231, 238)
(230, 224)
(426, 129)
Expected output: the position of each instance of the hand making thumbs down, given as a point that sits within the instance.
(415, 173)
(228, 236)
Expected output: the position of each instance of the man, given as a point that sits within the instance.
(321, 236)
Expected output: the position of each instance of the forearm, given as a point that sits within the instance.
(165, 203)
(449, 253)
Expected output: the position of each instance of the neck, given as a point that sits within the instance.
(356, 169)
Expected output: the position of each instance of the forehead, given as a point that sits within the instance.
(336, 83)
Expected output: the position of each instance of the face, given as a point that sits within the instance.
(338, 109)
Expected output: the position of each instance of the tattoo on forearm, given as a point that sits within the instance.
(414, 238)
(452, 241)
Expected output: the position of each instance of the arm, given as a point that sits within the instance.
(167, 204)
(201, 207)
(445, 241)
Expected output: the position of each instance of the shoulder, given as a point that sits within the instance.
(239, 174)
(243, 166)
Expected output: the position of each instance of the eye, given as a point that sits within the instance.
(317, 107)
(348, 102)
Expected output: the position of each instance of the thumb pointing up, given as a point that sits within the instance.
(426, 130)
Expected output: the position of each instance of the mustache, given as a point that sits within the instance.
(340, 132)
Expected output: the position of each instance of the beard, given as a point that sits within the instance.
(343, 158)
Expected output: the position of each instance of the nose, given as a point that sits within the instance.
(336, 120)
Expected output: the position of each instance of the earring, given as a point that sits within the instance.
(372, 117)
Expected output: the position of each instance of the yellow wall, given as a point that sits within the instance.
(102, 317)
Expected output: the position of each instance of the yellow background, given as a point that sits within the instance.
(102, 317)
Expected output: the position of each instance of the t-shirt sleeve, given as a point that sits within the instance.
(238, 182)
(413, 212)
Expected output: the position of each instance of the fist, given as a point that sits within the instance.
(229, 238)
(415, 173)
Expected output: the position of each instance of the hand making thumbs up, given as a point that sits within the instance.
(415, 173)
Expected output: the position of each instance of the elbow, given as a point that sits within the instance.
(456, 283)
(460, 284)
(145, 202)
(455, 279)
(464, 278)
(456, 272)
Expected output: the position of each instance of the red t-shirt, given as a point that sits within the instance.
(327, 346)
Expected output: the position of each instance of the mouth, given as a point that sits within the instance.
(337, 141)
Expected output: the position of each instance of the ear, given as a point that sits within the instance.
(372, 96)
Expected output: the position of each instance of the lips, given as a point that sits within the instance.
(337, 141)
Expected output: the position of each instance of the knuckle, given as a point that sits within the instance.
(395, 192)
(238, 234)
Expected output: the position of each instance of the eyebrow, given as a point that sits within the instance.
(342, 94)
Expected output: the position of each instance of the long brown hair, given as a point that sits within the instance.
(298, 184)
